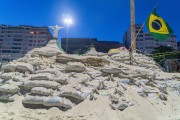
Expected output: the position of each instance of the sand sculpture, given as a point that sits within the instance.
(47, 77)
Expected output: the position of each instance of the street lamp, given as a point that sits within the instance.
(68, 22)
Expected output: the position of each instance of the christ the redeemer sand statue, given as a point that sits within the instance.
(53, 43)
(56, 29)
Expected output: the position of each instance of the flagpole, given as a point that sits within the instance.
(133, 42)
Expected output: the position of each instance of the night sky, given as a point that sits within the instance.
(101, 19)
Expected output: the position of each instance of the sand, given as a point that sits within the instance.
(87, 76)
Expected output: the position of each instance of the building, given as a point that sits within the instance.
(82, 45)
(145, 42)
(16, 41)
(105, 46)
(77, 45)
(127, 36)
(178, 46)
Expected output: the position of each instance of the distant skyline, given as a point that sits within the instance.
(101, 19)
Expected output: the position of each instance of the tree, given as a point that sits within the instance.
(162, 49)
(163, 53)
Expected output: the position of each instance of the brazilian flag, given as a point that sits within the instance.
(158, 27)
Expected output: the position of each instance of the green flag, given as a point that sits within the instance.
(158, 27)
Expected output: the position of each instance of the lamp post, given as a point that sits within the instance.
(67, 21)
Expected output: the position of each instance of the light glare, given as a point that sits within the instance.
(68, 21)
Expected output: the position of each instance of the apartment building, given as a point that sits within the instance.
(82, 45)
(16, 41)
(145, 42)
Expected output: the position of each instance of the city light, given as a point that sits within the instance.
(68, 21)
